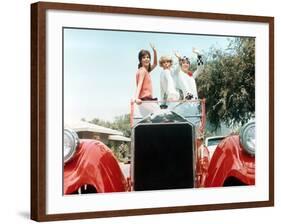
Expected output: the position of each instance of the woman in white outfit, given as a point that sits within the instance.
(185, 79)
(186, 86)
(167, 86)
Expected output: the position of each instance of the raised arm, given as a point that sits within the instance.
(200, 63)
(176, 66)
(177, 55)
(154, 57)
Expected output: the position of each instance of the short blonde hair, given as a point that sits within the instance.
(165, 58)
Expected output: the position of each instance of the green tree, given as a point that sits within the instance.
(120, 123)
(101, 122)
(228, 83)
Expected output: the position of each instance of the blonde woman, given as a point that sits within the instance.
(167, 87)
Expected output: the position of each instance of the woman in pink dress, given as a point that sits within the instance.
(145, 103)
(143, 77)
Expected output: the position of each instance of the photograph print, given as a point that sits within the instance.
(149, 111)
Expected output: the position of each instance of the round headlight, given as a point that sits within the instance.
(248, 137)
(71, 142)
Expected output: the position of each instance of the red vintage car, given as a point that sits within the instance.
(90, 167)
(167, 152)
(233, 162)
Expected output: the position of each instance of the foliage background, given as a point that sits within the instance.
(228, 84)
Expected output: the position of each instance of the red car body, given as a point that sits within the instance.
(230, 165)
(94, 164)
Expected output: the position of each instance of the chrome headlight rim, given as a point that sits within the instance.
(73, 144)
(247, 137)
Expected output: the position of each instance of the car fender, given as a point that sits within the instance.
(93, 164)
(230, 161)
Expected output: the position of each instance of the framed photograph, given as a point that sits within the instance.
(143, 111)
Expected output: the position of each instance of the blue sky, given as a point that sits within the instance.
(100, 67)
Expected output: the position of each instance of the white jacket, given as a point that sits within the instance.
(185, 82)
(167, 86)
